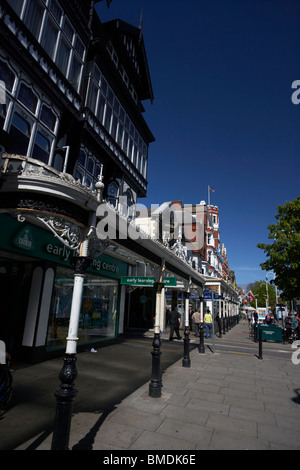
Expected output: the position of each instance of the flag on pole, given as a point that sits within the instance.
(251, 296)
(208, 195)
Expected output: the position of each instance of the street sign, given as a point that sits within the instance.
(137, 281)
(145, 281)
(170, 281)
(208, 295)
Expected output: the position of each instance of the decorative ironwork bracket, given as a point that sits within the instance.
(69, 234)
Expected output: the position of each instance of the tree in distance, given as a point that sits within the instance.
(284, 252)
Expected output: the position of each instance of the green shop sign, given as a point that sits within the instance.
(144, 281)
(39, 243)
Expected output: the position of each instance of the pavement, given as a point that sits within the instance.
(228, 399)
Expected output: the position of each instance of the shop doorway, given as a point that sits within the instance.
(15, 280)
(140, 308)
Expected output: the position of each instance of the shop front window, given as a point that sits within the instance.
(98, 311)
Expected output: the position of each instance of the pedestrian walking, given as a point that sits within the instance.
(174, 323)
(197, 320)
(288, 323)
(208, 323)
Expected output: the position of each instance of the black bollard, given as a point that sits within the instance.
(255, 332)
(201, 347)
(155, 385)
(260, 343)
(186, 361)
(64, 404)
(220, 327)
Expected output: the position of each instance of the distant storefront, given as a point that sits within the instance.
(36, 278)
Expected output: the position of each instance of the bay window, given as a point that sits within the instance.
(88, 168)
(31, 122)
(104, 104)
(46, 20)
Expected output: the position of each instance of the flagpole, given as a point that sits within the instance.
(208, 194)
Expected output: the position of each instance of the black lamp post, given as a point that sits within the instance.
(66, 393)
(186, 361)
(155, 385)
(201, 347)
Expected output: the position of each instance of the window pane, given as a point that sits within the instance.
(125, 141)
(112, 201)
(41, 148)
(50, 38)
(114, 125)
(20, 131)
(63, 55)
(110, 96)
(97, 319)
(104, 86)
(97, 170)
(90, 166)
(27, 98)
(92, 100)
(48, 118)
(112, 190)
(79, 47)
(55, 10)
(101, 106)
(7, 76)
(130, 146)
(96, 75)
(120, 135)
(20, 123)
(75, 72)
(2, 113)
(82, 158)
(33, 17)
(16, 5)
(107, 117)
(68, 30)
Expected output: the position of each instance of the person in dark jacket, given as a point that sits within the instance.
(174, 322)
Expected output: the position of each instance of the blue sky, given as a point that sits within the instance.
(222, 74)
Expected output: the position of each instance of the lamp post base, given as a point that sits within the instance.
(64, 404)
(155, 385)
(201, 347)
(186, 361)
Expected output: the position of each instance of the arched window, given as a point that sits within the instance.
(113, 193)
(7, 76)
(20, 132)
(129, 197)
